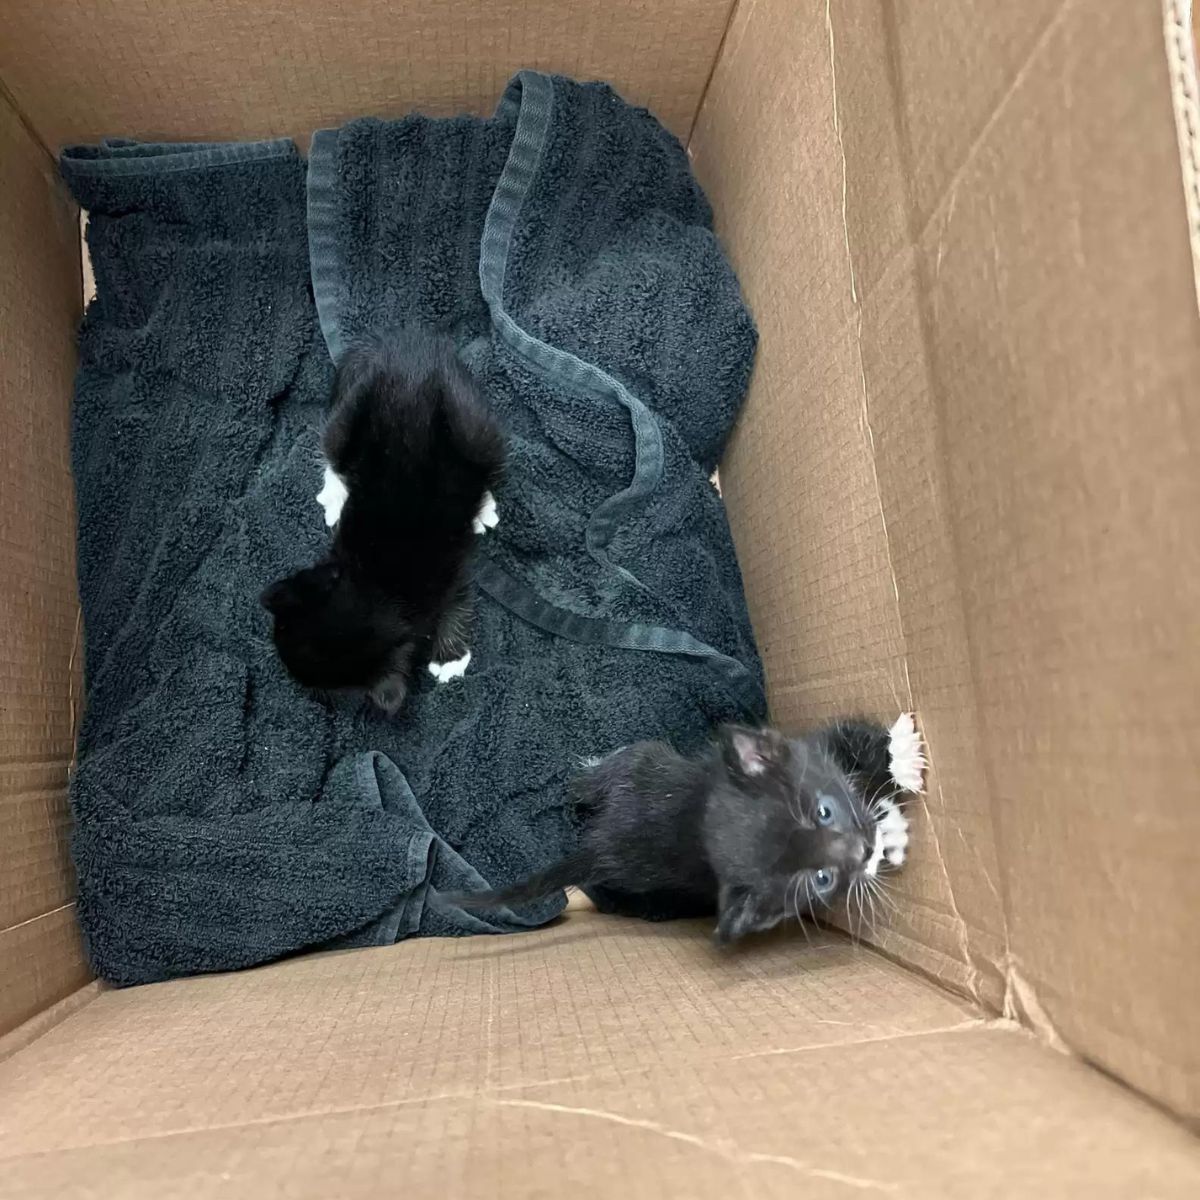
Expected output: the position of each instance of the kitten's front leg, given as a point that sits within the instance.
(883, 758)
(906, 766)
(861, 749)
(906, 754)
(887, 762)
(332, 496)
(451, 653)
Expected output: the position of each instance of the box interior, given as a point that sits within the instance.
(963, 484)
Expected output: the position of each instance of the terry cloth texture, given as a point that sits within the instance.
(224, 816)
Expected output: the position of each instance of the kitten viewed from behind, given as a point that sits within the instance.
(756, 828)
(413, 455)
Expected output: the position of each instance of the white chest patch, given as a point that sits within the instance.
(332, 496)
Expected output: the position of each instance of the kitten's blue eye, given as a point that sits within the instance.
(823, 879)
(824, 813)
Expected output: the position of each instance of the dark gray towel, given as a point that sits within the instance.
(225, 817)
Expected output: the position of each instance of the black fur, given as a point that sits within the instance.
(412, 439)
(756, 828)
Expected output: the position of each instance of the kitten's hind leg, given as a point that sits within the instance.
(648, 906)
(451, 653)
(487, 517)
(390, 690)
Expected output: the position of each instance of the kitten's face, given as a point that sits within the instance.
(790, 834)
(333, 635)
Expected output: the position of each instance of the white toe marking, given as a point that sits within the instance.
(906, 754)
(891, 838)
(332, 496)
(444, 672)
(487, 517)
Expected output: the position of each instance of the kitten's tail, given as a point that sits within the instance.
(575, 869)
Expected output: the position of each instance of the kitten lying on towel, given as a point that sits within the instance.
(413, 455)
(758, 827)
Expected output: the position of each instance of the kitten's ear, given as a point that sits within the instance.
(750, 752)
(742, 910)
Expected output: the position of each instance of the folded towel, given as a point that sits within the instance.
(225, 817)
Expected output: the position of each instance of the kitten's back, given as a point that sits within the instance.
(410, 434)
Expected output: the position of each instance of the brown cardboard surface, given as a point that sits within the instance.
(1179, 35)
(976, 284)
(965, 484)
(41, 964)
(597, 1058)
(186, 69)
(37, 1026)
(1064, 354)
(438, 1018)
(803, 480)
(40, 961)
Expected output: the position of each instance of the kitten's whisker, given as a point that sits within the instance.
(799, 917)
(862, 908)
(874, 917)
(881, 892)
(878, 799)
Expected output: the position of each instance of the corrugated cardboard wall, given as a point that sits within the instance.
(181, 69)
(817, 449)
(967, 475)
(40, 956)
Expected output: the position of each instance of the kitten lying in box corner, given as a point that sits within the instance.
(756, 828)
(413, 455)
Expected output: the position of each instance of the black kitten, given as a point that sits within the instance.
(413, 455)
(756, 828)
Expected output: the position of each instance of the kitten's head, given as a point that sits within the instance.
(333, 634)
(785, 830)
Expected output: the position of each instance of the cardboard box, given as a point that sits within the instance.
(965, 483)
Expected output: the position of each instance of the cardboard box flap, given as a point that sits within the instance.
(834, 482)
(976, 287)
(224, 69)
(40, 956)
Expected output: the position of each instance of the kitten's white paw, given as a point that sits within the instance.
(892, 832)
(891, 837)
(444, 672)
(906, 754)
(487, 517)
(332, 496)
